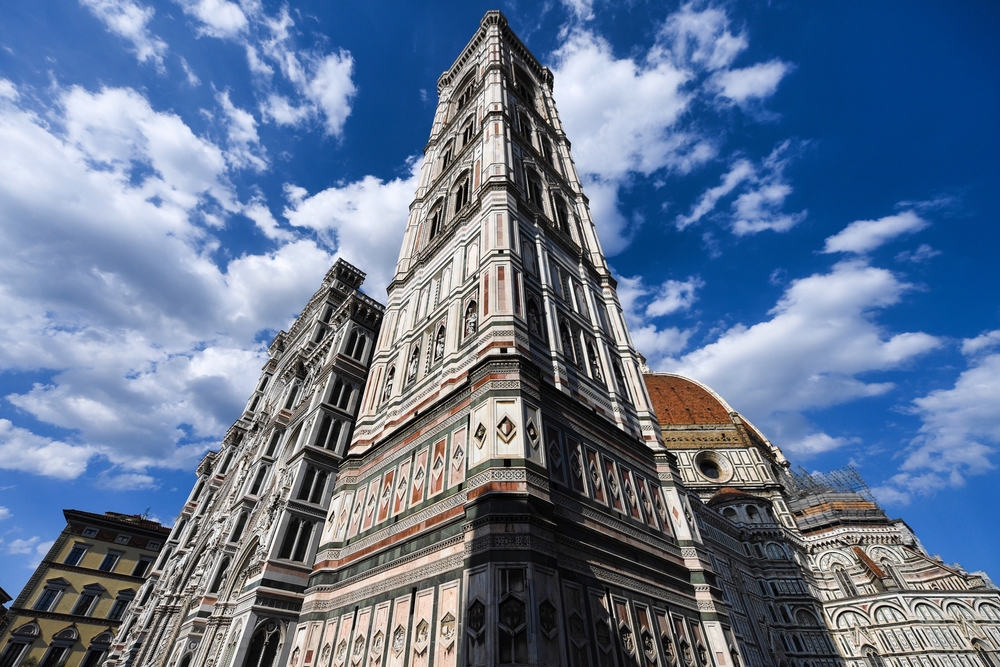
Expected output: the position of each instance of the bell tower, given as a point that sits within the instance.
(506, 497)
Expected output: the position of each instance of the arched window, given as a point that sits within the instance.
(926, 612)
(293, 393)
(888, 614)
(220, 576)
(466, 95)
(99, 646)
(806, 618)
(523, 86)
(20, 639)
(272, 444)
(851, 619)
(546, 149)
(990, 611)
(241, 524)
(186, 661)
(562, 215)
(989, 658)
(753, 513)
(845, 582)
(263, 645)
(890, 569)
(471, 318)
(389, 377)
(620, 380)
(533, 187)
(313, 485)
(258, 480)
(524, 126)
(729, 513)
(352, 340)
(461, 193)
(873, 658)
(447, 155)
(434, 221)
(775, 552)
(297, 537)
(468, 132)
(439, 344)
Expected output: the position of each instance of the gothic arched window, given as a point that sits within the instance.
(546, 149)
(524, 126)
(468, 132)
(873, 658)
(844, 580)
(461, 193)
(534, 187)
(562, 215)
(263, 645)
(220, 576)
(434, 221)
(447, 155)
(241, 524)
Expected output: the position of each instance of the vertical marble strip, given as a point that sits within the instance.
(402, 486)
(447, 625)
(422, 622)
(387, 490)
(596, 476)
(371, 503)
(359, 508)
(456, 471)
(343, 645)
(419, 478)
(380, 628)
(340, 529)
(325, 658)
(438, 466)
(398, 631)
(359, 638)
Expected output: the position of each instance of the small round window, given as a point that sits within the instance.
(713, 466)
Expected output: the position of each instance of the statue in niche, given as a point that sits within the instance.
(595, 364)
(439, 345)
(414, 365)
(387, 392)
(471, 319)
(534, 320)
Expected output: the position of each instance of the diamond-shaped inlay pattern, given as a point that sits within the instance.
(506, 429)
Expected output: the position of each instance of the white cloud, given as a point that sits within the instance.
(702, 37)
(820, 338)
(21, 547)
(582, 10)
(332, 90)
(4, 513)
(981, 343)
(640, 303)
(244, 142)
(674, 295)
(108, 281)
(630, 116)
(192, 78)
(364, 220)
(217, 18)
(762, 192)
(750, 83)
(129, 20)
(22, 450)
(127, 482)
(862, 236)
(922, 254)
(960, 427)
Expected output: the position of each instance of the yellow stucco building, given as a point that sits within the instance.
(70, 609)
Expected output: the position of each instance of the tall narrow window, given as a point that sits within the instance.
(524, 126)
(546, 149)
(142, 566)
(844, 580)
(241, 524)
(220, 576)
(352, 340)
(534, 187)
(468, 133)
(461, 194)
(447, 155)
(293, 394)
(76, 554)
(272, 444)
(46, 601)
(85, 603)
(110, 560)
(296, 542)
(120, 605)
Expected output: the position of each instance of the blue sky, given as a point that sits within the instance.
(799, 199)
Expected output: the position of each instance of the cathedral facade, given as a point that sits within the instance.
(483, 472)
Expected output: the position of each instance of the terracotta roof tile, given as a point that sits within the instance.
(679, 401)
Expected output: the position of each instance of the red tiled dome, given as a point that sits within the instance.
(679, 401)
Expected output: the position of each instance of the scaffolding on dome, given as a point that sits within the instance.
(845, 480)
